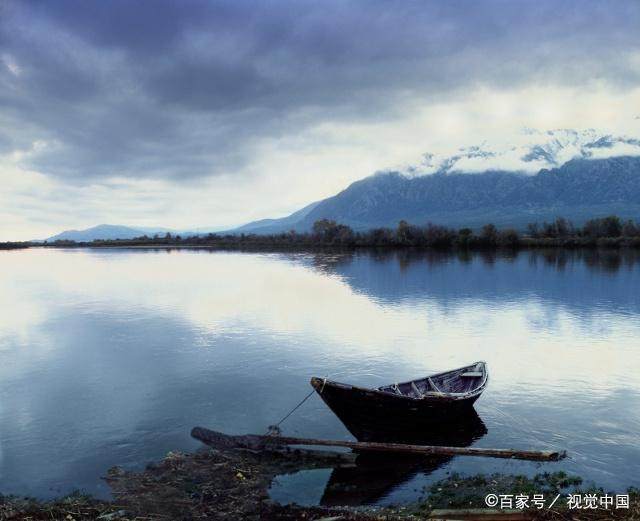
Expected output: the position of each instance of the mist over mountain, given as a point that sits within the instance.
(580, 189)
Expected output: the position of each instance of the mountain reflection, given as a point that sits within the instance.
(553, 275)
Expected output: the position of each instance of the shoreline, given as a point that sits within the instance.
(234, 484)
(525, 245)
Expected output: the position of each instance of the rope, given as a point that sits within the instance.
(274, 430)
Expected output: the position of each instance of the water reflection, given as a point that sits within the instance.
(374, 475)
(558, 258)
(562, 275)
(110, 357)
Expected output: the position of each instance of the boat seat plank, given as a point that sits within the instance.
(433, 385)
(472, 374)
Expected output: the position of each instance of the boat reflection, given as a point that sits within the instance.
(375, 475)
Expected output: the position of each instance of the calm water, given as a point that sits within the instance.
(110, 357)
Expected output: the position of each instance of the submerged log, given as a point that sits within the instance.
(220, 440)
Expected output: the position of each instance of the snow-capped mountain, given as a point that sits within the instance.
(559, 173)
(529, 152)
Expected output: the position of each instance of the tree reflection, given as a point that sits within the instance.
(601, 260)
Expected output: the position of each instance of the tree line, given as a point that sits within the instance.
(602, 232)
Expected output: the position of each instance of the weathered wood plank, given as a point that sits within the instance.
(256, 442)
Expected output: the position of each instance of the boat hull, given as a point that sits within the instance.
(366, 411)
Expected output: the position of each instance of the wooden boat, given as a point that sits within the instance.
(407, 404)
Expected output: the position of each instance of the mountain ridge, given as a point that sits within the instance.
(578, 190)
(111, 232)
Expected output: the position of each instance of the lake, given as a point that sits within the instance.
(110, 357)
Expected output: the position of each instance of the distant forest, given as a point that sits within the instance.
(607, 232)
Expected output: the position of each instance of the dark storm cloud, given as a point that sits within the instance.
(179, 89)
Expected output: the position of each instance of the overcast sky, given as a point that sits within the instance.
(197, 114)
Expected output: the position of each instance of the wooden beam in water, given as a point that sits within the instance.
(220, 440)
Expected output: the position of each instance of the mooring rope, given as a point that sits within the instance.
(274, 430)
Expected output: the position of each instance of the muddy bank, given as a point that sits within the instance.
(208, 484)
(233, 484)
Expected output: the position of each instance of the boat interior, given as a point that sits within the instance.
(458, 381)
